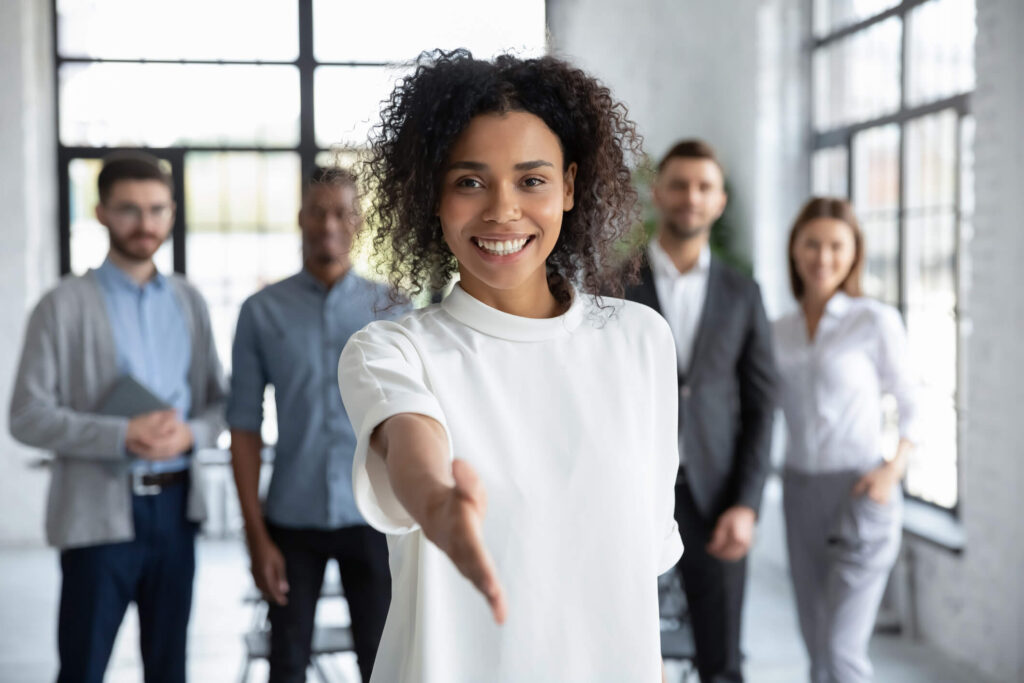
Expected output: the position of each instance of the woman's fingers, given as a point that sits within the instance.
(875, 486)
(499, 607)
(467, 550)
(879, 494)
(485, 578)
(862, 486)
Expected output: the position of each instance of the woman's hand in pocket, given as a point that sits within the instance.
(878, 484)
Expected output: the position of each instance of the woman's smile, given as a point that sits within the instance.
(503, 248)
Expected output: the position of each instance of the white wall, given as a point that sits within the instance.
(732, 73)
(28, 239)
(972, 605)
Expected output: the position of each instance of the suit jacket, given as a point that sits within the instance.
(727, 395)
(68, 363)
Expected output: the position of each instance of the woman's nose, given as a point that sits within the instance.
(503, 206)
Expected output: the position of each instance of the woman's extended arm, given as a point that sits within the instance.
(445, 498)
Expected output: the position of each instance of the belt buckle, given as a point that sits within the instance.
(141, 489)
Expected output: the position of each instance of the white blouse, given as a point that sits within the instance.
(571, 424)
(831, 387)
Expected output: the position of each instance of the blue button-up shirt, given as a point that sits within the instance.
(291, 335)
(152, 343)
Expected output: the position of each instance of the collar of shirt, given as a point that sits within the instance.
(835, 310)
(474, 313)
(838, 305)
(309, 280)
(117, 278)
(663, 266)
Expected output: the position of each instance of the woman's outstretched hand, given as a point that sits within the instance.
(455, 525)
(444, 496)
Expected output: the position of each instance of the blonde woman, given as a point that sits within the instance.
(838, 354)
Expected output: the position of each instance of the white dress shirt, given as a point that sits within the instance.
(831, 387)
(681, 296)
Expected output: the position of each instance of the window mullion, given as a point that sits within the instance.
(178, 231)
(901, 220)
(307, 67)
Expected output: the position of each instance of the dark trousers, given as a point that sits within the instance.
(362, 556)
(714, 593)
(155, 570)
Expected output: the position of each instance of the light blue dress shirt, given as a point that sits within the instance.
(291, 335)
(152, 343)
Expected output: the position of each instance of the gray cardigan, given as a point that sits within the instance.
(68, 363)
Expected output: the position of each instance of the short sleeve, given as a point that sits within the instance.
(248, 374)
(895, 374)
(666, 441)
(380, 375)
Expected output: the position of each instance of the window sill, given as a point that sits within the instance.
(934, 525)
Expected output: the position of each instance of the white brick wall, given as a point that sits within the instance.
(972, 606)
(735, 73)
(28, 249)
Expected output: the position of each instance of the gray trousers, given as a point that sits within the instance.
(841, 551)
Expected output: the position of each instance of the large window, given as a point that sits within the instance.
(893, 132)
(239, 98)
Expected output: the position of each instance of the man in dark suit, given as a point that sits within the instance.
(726, 385)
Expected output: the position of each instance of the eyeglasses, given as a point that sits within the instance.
(344, 216)
(134, 212)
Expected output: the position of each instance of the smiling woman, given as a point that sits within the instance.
(838, 354)
(521, 434)
(410, 171)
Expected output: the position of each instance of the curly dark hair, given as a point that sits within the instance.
(425, 115)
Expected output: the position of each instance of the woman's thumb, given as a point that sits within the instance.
(467, 482)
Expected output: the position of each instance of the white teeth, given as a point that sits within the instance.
(502, 248)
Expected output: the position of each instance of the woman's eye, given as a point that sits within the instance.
(533, 182)
(468, 182)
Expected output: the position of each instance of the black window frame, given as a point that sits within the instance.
(307, 147)
(843, 137)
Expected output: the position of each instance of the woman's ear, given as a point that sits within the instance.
(568, 198)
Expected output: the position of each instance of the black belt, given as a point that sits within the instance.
(153, 483)
(165, 478)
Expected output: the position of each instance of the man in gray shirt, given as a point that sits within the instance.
(290, 335)
(125, 495)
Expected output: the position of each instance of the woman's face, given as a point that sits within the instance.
(503, 194)
(823, 252)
